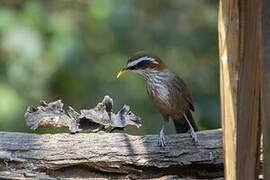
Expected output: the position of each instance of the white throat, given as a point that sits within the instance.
(152, 74)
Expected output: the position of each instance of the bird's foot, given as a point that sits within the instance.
(193, 135)
(161, 140)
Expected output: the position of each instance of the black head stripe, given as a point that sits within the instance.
(141, 65)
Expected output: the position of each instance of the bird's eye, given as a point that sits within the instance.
(132, 67)
(142, 65)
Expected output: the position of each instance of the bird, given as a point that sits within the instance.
(168, 92)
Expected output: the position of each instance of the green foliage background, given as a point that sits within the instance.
(73, 49)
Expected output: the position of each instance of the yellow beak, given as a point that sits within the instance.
(122, 72)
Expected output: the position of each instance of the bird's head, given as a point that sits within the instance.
(143, 63)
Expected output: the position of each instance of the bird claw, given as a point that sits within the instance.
(193, 135)
(161, 140)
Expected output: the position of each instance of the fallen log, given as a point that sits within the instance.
(110, 155)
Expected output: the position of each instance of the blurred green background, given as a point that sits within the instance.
(73, 49)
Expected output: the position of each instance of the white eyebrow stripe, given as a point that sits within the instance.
(142, 59)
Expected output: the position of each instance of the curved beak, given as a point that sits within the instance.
(123, 71)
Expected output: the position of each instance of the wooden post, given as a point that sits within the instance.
(228, 85)
(240, 57)
(265, 98)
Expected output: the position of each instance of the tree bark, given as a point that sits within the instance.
(104, 155)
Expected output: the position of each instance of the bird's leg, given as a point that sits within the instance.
(192, 132)
(161, 140)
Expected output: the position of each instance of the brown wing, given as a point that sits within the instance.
(182, 93)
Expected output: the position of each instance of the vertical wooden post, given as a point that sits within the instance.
(240, 57)
(265, 98)
(248, 101)
(228, 27)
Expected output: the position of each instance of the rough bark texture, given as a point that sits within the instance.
(53, 115)
(104, 155)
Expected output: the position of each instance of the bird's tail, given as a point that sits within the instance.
(181, 125)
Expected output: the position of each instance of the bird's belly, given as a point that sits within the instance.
(160, 96)
(161, 92)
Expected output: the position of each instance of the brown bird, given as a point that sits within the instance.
(167, 91)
